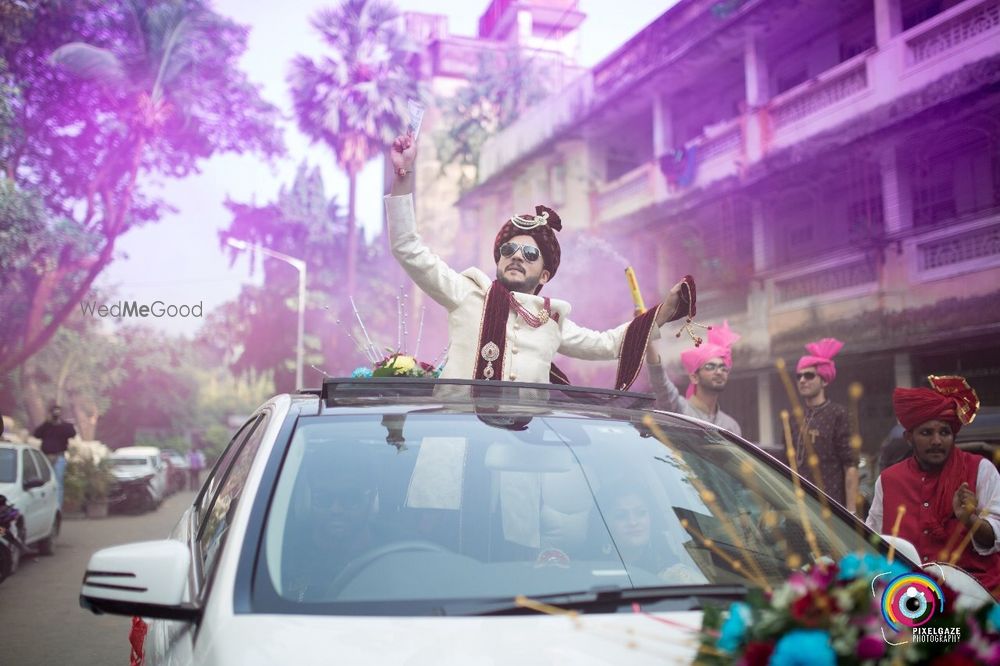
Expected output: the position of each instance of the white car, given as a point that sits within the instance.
(141, 477)
(29, 483)
(412, 521)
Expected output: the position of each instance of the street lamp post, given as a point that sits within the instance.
(300, 266)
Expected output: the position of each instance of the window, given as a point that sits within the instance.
(8, 465)
(960, 177)
(43, 466)
(31, 472)
(557, 184)
(211, 485)
(213, 531)
(404, 513)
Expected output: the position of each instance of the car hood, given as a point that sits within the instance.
(624, 638)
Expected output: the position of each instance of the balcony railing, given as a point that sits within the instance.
(638, 188)
(718, 152)
(952, 30)
(832, 87)
(540, 123)
(845, 276)
(962, 246)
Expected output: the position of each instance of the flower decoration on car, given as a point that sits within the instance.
(831, 613)
(403, 365)
(397, 361)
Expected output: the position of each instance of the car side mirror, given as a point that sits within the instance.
(33, 483)
(148, 579)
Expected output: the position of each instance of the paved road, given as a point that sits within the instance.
(41, 622)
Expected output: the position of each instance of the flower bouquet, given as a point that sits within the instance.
(398, 365)
(848, 613)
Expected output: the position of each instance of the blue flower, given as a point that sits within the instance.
(994, 617)
(735, 627)
(850, 567)
(854, 566)
(804, 647)
(361, 372)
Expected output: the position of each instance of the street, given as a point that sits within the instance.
(40, 615)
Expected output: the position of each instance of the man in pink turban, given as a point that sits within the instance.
(825, 430)
(708, 368)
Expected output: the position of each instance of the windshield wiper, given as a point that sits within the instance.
(601, 599)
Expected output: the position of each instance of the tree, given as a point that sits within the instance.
(78, 369)
(504, 85)
(354, 98)
(255, 334)
(105, 96)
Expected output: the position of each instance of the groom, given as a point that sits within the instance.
(503, 329)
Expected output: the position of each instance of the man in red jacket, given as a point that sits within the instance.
(946, 492)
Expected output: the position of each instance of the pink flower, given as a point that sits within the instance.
(871, 647)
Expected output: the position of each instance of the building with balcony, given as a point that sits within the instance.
(822, 168)
(542, 33)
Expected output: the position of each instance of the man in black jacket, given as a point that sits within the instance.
(55, 435)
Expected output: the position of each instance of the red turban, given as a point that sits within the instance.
(821, 355)
(542, 226)
(950, 399)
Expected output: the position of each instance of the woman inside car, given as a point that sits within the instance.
(949, 499)
(642, 546)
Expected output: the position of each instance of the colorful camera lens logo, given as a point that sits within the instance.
(911, 600)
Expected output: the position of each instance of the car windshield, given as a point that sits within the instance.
(8, 465)
(129, 462)
(430, 507)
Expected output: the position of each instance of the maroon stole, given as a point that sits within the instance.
(493, 342)
(929, 522)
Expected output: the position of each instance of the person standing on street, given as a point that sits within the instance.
(196, 463)
(825, 430)
(55, 435)
(708, 369)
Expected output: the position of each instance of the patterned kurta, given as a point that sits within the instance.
(827, 430)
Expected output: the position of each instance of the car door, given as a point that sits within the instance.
(32, 504)
(173, 642)
(48, 493)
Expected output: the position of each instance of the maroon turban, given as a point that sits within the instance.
(542, 226)
(950, 399)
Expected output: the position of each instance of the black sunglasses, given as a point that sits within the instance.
(529, 252)
(808, 376)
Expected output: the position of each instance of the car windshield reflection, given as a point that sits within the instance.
(431, 507)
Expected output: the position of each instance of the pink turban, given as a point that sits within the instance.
(720, 343)
(821, 355)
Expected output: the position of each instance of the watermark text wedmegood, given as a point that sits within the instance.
(123, 309)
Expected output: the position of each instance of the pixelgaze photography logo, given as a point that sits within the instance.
(910, 601)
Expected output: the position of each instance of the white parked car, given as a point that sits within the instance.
(141, 477)
(410, 521)
(29, 483)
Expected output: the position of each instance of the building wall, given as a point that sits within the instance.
(869, 190)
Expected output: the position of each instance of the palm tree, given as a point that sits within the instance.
(353, 99)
